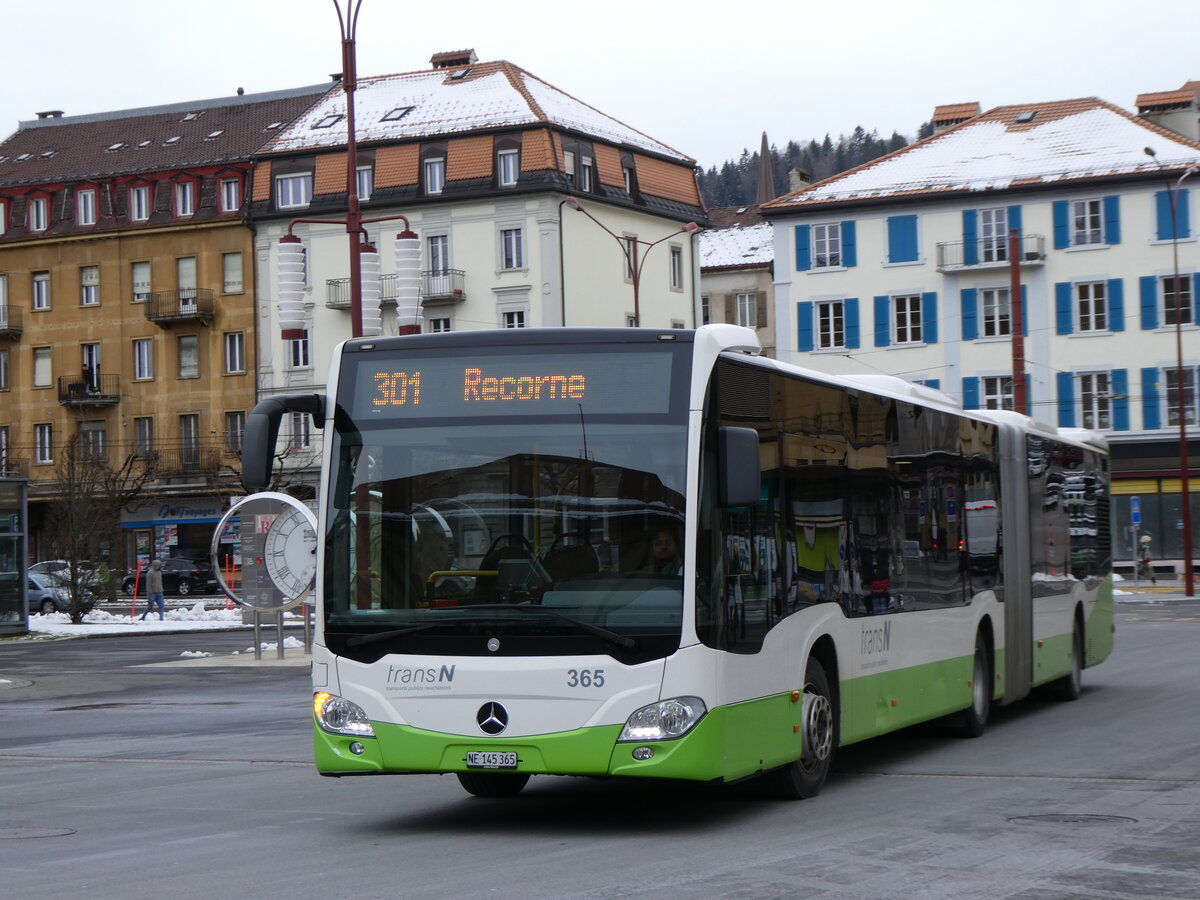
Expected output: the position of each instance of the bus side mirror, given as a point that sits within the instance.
(262, 429)
(740, 469)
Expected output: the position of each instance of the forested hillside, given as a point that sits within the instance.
(736, 184)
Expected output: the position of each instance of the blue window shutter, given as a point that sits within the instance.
(970, 393)
(1181, 213)
(1162, 204)
(803, 248)
(804, 326)
(1024, 311)
(849, 245)
(935, 383)
(902, 239)
(1062, 307)
(1014, 218)
(1066, 400)
(1116, 304)
(970, 238)
(929, 320)
(850, 308)
(1119, 379)
(1062, 234)
(970, 314)
(882, 322)
(1112, 219)
(1149, 287)
(1150, 412)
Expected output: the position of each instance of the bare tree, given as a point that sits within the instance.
(91, 493)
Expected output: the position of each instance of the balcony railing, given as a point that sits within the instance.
(86, 390)
(439, 284)
(187, 460)
(184, 305)
(988, 254)
(12, 322)
(13, 466)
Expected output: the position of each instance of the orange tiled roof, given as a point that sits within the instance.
(955, 112)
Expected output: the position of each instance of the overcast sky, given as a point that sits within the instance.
(706, 79)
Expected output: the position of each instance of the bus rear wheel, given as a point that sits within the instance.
(806, 776)
(497, 784)
(1070, 685)
(972, 721)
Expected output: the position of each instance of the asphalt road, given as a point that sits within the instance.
(126, 778)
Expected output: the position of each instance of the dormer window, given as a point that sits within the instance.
(329, 121)
(139, 203)
(435, 175)
(508, 167)
(39, 214)
(231, 194)
(85, 207)
(396, 114)
(185, 198)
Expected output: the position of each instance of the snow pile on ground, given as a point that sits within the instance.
(196, 618)
(289, 643)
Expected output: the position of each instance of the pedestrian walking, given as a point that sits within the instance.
(1144, 568)
(154, 590)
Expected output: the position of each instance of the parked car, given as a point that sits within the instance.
(48, 594)
(180, 578)
(60, 570)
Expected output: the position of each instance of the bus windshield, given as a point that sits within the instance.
(547, 521)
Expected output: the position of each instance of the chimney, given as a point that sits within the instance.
(1175, 110)
(450, 58)
(952, 114)
(50, 114)
(798, 179)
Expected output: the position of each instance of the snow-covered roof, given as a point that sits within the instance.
(455, 100)
(1009, 146)
(739, 245)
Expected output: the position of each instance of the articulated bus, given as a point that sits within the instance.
(657, 554)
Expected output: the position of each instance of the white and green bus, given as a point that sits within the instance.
(657, 554)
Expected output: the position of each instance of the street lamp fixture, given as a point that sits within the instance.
(364, 259)
(635, 251)
(1184, 498)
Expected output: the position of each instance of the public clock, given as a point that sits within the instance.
(265, 551)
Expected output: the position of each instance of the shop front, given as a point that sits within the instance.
(179, 528)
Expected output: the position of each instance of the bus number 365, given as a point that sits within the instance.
(585, 678)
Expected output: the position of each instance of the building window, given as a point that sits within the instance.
(997, 392)
(746, 310)
(996, 314)
(831, 325)
(512, 249)
(514, 319)
(631, 320)
(185, 198)
(143, 435)
(139, 203)
(139, 275)
(89, 286)
(705, 309)
(301, 432)
(1177, 301)
(93, 439)
(1092, 305)
(189, 442)
(439, 326)
(235, 353)
(587, 177)
(42, 374)
(627, 174)
(630, 243)
(298, 352)
(4, 385)
(3, 217)
(435, 175)
(231, 194)
(235, 430)
(189, 356)
(231, 273)
(1095, 398)
(143, 359)
(993, 234)
(439, 253)
(41, 290)
(293, 190)
(907, 312)
(43, 443)
(569, 165)
(85, 207)
(1189, 395)
(508, 165)
(676, 268)
(39, 214)
(1087, 222)
(827, 245)
(365, 181)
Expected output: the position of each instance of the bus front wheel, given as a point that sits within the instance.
(498, 784)
(806, 776)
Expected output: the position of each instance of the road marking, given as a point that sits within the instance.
(1175, 782)
(141, 760)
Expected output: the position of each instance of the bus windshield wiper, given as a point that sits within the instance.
(612, 637)
(360, 640)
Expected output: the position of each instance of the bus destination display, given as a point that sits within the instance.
(500, 385)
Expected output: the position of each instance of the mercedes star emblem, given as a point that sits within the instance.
(492, 718)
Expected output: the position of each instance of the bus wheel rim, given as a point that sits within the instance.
(818, 728)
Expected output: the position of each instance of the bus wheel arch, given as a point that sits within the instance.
(819, 726)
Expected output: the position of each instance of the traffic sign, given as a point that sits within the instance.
(1135, 510)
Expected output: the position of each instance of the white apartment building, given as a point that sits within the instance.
(902, 267)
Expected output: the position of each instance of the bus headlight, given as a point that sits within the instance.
(339, 716)
(664, 720)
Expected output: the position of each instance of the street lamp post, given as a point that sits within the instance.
(631, 247)
(1185, 498)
